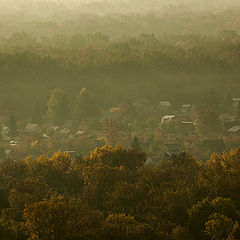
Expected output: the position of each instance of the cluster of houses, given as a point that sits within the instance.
(188, 117)
(185, 115)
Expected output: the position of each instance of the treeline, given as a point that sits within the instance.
(178, 20)
(178, 68)
(112, 194)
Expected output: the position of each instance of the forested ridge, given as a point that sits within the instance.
(145, 65)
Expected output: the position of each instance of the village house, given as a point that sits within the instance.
(186, 112)
(32, 128)
(228, 121)
(236, 102)
(186, 108)
(234, 130)
(13, 143)
(54, 130)
(80, 132)
(64, 132)
(167, 118)
(5, 134)
(114, 112)
(165, 104)
(139, 103)
(227, 118)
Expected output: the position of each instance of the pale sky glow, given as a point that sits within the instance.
(108, 6)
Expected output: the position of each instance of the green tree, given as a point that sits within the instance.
(118, 156)
(61, 161)
(227, 101)
(60, 218)
(208, 123)
(212, 100)
(86, 107)
(121, 226)
(220, 227)
(12, 125)
(222, 174)
(204, 210)
(238, 109)
(37, 114)
(58, 109)
(2, 153)
(136, 145)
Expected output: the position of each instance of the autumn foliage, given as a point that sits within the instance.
(113, 194)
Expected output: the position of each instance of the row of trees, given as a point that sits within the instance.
(146, 64)
(58, 107)
(171, 20)
(112, 194)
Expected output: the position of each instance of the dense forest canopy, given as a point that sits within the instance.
(112, 195)
(119, 120)
(147, 63)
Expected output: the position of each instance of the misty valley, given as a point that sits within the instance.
(119, 120)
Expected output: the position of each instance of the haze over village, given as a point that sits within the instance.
(119, 120)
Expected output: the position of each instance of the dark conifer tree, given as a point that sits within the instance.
(227, 101)
(12, 125)
(238, 109)
(212, 101)
(37, 114)
(85, 106)
(136, 145)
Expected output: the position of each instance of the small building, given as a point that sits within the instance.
(5, 134)
(227, 118)
(236, 102)
(187, 126)
(141, 103)
(64, 131)
(186, 108)
(185, 123)
(175, 155)
(165, 104)
(234, 130)
(167, 118)
(45, 136)
(114, 109)
(32, 128)
(13, 143)
(113, 112)
(54, 130)
(80, 132)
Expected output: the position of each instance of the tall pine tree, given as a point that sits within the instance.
(136, 145)
(86, 107)
(12, 125)
(58, 109)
